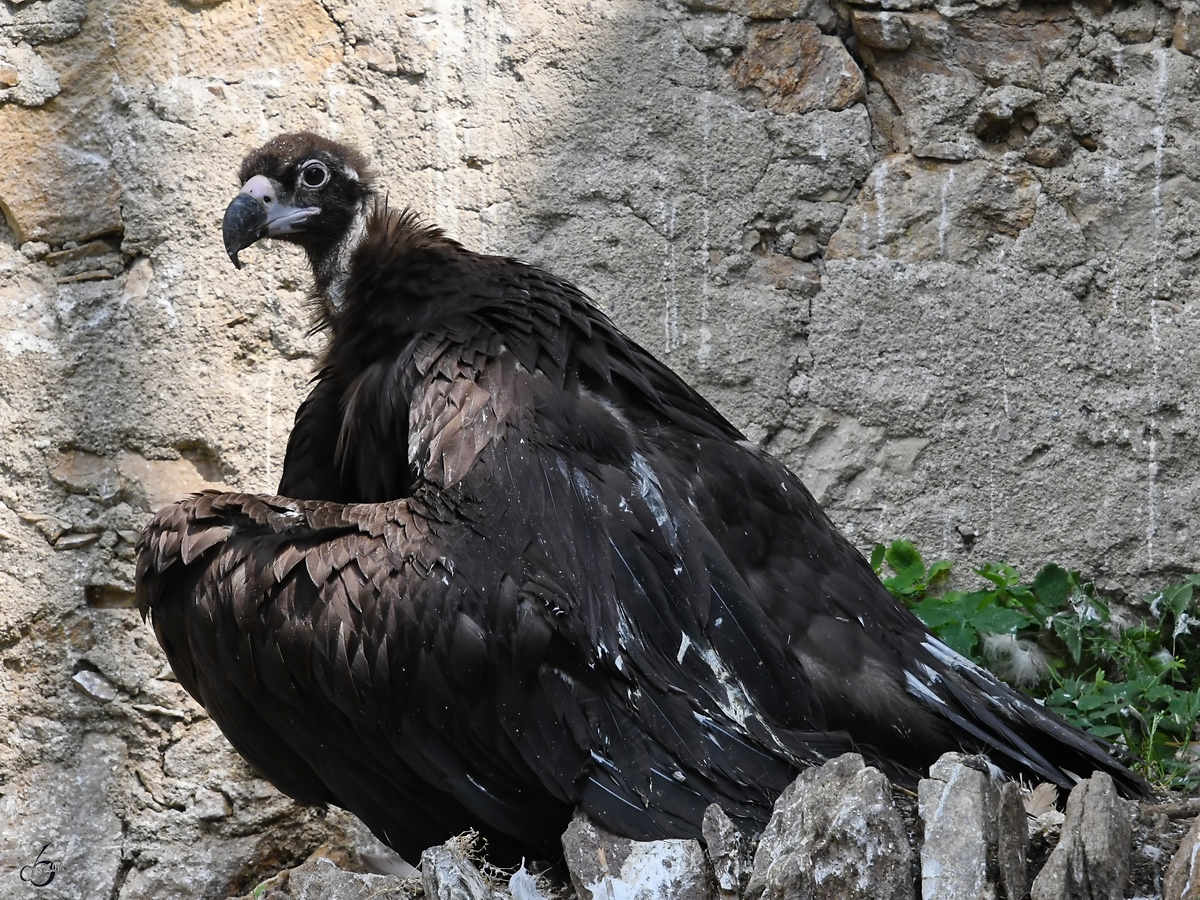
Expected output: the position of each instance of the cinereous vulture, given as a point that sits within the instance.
(517, 566)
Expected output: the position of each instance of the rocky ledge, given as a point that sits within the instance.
(839, 832)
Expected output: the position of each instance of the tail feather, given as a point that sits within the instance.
(1017, 732)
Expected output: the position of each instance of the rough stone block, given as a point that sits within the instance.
(881, 30)
(957, 803)
(130, 477)
(725, 847)
(1091, 860)
(797, 69)
(76, 197)
(25, 77)
(321, 879)
(1182, 880)
(58, 828)
(916, 209)
(834, 833)
(714, 32)
(1187, 29)
(447, 874)
(603, 865)
(1012, 843)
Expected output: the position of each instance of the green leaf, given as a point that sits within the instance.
(961, 638)
(902, 556)
(998, 620)
(936, 612)
(877, 558)
(1053, 585)
(998, 573)
(1178, 598)
(939, 569)
(1070, 631)
(1092, 701)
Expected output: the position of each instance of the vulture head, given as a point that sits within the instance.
(308, 190)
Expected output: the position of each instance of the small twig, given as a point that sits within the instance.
(1181, 810)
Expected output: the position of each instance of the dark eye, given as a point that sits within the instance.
(314, 174)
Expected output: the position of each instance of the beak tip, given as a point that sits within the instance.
(243, 225)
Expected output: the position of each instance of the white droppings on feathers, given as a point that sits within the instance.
(919, 689)
(684, 643)
(952, 658)
(650, 490)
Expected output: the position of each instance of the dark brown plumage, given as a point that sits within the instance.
(526, 568)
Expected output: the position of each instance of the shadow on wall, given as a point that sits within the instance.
(947, 279)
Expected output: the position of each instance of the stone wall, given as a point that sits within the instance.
(938, 257)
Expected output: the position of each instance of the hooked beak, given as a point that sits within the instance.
(255, 213)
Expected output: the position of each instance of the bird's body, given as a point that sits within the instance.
(519, 566)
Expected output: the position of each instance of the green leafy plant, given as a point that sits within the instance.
(1055, 638)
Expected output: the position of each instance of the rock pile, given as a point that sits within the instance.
(839, 832)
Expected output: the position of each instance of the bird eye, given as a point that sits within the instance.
(314, 174)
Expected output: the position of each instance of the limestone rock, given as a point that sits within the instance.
(914, 209)
(1187, 29)
(834, 833)
(958, 805)
(815, 10)
(1012, 843)
(94, 685)
(1135, 23)
(38, 23)
(949, 62)
(130, 477)
(76, 541)
(25, 78)
(447, 874)
(1091, 861)
(1182, 880)
(796, 69)
(881, 30)
(76, 197)
(603, 865)
(714, 32)
(59, 822)
(725, 847)
(1053, 242)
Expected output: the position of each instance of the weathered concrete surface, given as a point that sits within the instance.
(964, 304)
(57, 825)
